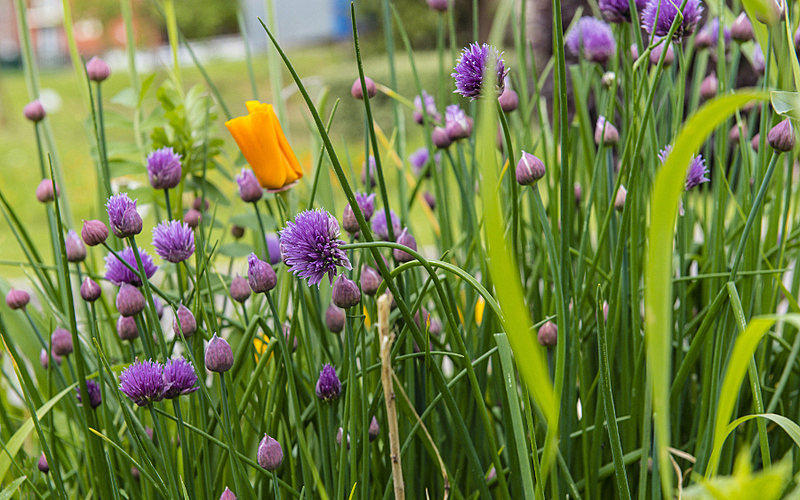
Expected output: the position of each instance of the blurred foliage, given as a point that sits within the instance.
(198, 18)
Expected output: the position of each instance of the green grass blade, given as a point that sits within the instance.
(667, 188)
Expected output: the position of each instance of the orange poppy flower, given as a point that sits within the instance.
(260, 138)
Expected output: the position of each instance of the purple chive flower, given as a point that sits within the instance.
(122, 215)
(164, 168)
(366, 202)
(274, 248)
(457, 124)
(93, 388)
(310, 246)
(658, 15)
(260, 275)
(173, 241)
(709, 35)
(618, 11)
(328, 385)
(179, 378)
(250, 190)
(695, 174)
(143, 382)
(118, 273)
(470, 68)
(381, 228)
(593, 39)
(419, 158)
(430, 108)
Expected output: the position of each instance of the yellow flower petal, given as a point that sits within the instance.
(262, 142)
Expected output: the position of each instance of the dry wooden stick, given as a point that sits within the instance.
(387, 338)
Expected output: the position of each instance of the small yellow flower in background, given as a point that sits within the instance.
(261, 140)
(261, 346)
(479, 310)
(367, 320)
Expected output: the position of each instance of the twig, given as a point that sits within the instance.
(387, 337)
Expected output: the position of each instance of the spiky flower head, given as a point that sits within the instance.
(472, 66)
(118, 273)
(419, 158)
(328, 385)
(179, 378)
(695, 174)
(143, 382)
(173, 241)
(122, 216)
(310, 246)
(658, 16)
(93, 388)
(381, 228)
(592, 39)
(618, 11)
(164, 168)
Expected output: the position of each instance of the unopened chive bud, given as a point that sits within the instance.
(345, 292)
(548, 334)
(781, 136)
(219, 355)
(529, 169)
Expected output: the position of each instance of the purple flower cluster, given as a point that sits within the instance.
(93, 388)
(381, 228)
(592, 39)
(122, 215)
(618, 11)
(173, 241)
(658, 16)
(164, 168)
(430, 108)
(695, 174)
(146, 382)
(472, 65)
(310, 246)
(118, 273)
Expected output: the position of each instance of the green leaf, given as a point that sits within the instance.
(18, 439)
(9, 491)
(744, 485)
(667, 188)
(235, 250)
(786, 103)
(126, 97)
